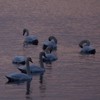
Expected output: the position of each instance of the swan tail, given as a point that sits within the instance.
(10, 79)
(35, 42)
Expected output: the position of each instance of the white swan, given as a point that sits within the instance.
(29, 39)
(51, 43)
(19, 77)
(81, 44)
(49, 57)
(19, 60)
(86, 47)
(34, 69)
(54, 38)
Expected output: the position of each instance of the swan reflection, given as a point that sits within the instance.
(42, 86)
(28, 83)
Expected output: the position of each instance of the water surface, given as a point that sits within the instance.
(72, 76)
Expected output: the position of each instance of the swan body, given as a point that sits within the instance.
(19, 77)
(88, 50)
(49, 57)
(51, 43)
(86, 47)
(19, 60)
(34, 69)
(29, 39)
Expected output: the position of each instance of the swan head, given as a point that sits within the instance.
(25, 31)
(29, 59)
(52, 38)
(42, 55)
(84, 43)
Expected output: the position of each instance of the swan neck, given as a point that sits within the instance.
(47, 50)
(28, 67)
(26, 32)
(41, 61)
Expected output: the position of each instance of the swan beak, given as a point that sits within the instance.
(31, 60)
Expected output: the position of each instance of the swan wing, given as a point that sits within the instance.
(33, 69)
(51, 57)
(18, 77)
(30, 38)
(87, 49)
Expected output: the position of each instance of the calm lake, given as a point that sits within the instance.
(73, 76)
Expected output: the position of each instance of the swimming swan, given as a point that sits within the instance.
(34, 69)
(86, 47)
(29, 39)
(81, 44)
(19, 77)
(52, 37)
(19, 60)
(51, 43)
(49, 57)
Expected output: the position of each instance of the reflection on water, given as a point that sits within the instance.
(41, 87)
(28, 87)
(42, 83)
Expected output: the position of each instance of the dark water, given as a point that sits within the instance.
(73, 76)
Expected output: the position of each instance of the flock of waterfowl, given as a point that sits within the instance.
(46, 56)
(26, 69)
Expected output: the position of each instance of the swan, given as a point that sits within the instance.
(20, 77)
(52, 37)
(49, 57)
(51, 43)
(86, 47)
(81, 44)
(34, 69)
(19, 60)
(29, 39)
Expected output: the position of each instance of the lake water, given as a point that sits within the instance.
(73, 76)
